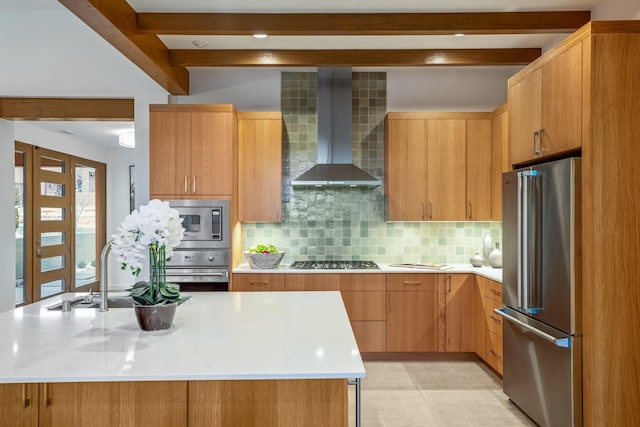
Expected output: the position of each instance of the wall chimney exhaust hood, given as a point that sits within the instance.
(335, 158)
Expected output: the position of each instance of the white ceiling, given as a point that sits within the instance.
(52, 53)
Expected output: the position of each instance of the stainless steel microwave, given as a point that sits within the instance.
(205, 223)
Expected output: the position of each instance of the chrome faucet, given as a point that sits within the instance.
(104, 306)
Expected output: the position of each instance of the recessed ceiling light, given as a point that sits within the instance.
(260, 36)
(199, 44)
(458, 35)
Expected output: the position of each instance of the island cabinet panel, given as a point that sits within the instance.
(412, 313)
(259, 167)
(192, 151)
(123, 404)
(458, 290)
(268, 403)
(19, 405)
(545, 104)
(262, 282)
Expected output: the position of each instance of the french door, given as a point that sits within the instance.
(63, 218)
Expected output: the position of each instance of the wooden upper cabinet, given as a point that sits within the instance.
(446, 169)
(169, 149)
(545, 106)
(478, 170)
(405, 169)
(499, 158)
(192, 150)
(260, 167)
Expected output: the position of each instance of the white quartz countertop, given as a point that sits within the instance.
(215, 336)
(488, 272)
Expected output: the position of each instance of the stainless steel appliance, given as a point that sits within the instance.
(334, 265)
(542, 292)
(201, 262)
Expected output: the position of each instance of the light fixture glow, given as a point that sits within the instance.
(199, 44)
(260, 36)
(458, 35)
(127, 139)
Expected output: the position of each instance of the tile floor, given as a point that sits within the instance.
(434, 393)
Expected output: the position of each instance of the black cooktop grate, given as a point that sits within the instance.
(334, 265)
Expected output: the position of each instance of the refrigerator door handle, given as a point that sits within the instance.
(522, 247)
(563, 341)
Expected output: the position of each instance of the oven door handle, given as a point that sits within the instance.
(224, 273)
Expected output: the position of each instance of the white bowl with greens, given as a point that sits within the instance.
(264, 257)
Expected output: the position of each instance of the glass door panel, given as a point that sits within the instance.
(22, 172)
(86, 225)
(52, 205)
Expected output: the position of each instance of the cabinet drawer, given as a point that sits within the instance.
(494, 321)
(493, 354)
(365, 305)
(412, 282)
(312, 282)
(363, 282)
(257, 282)
(494, 290)
(371, 336)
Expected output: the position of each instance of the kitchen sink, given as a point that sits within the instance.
(113, 302)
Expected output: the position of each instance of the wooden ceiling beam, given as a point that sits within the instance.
(116, 22)
(363, 24)
(67, 109)
(356, 58)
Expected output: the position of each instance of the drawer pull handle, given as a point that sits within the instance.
(495, 319)
(407, 282)
(264, 283)
(496, 292)
(25, 396)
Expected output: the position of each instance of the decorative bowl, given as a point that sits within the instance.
(264, 261)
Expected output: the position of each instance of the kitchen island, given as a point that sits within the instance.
(228, 359)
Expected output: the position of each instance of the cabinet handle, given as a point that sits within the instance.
(498, 293)
(47, 395)
(449, 277)
(25, 396)
(541, 134)
(193, 184)
(424, 211)
(495, 319)
(389, 303)
(470, 211)
(536, 134)
(263, 283)
(407, 282)
(430, 211)
(186, 190)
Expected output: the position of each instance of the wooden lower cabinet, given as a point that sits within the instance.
(371, 335)
(487, 324)
(312, 282)
(263, 282)
(459, 317)
(284, 403)
(19, 405)
(123, 404)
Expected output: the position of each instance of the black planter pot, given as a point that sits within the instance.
(155, 317)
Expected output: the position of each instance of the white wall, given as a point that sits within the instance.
(616, 10)
(7, 230)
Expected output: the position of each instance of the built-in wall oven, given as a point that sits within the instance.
(201, 262)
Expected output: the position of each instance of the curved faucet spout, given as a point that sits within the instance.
(104, 306)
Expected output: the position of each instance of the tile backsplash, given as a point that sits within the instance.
(345, 222)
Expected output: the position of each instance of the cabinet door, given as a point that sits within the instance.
(405, 162)
(412, 321)
(525, 110)
(479, 318)
(259, 169)
(478, 172)
(446, 169)
(169, 154)
(562, 102)
(243, 282)
(312, 282)
(499, 161)
(19, 405)
(459, 312)
(123, 404)
(213, 138)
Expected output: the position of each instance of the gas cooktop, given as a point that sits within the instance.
(334, 265)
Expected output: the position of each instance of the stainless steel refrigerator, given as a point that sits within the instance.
(542, 356)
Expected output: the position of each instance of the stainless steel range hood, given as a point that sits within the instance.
(335, 158)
